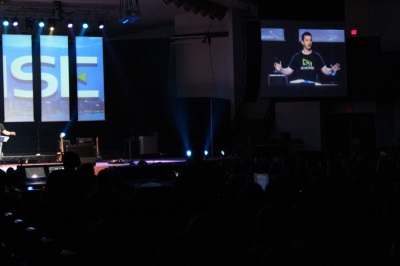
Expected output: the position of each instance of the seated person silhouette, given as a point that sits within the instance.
(63, 179)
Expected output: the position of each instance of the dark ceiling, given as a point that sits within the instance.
(144, 14)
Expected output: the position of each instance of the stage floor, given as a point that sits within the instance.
(99, 165)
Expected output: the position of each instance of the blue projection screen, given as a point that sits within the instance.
(17, 78)
(54, 75)
(90, 78)
(54, 69)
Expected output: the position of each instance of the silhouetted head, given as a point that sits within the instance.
(71, 160)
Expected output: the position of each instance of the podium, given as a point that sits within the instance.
(277, 80)
(2, 139)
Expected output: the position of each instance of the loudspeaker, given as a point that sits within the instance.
(131, 148)
(148, 144)
(87, 153)
(253, 61)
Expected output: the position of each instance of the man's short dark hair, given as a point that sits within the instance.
(306, 33)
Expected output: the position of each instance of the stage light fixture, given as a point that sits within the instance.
(41, 23)
(70, 24)
(188, 153)
(6, 22)
(15, 22)
(129, 12)
(85, 24)
(101, 24)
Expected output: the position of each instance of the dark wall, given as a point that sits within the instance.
(371, 82)
(196, 118)
(315, 10)
(136, 80)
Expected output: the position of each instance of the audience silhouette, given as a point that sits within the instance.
(317, 209)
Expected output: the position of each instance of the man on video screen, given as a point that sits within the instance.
(306, 64)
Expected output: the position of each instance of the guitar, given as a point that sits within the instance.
(98, 157)
(61, 147)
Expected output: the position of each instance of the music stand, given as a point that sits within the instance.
(2, 139)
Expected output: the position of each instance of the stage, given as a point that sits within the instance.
(53, 160)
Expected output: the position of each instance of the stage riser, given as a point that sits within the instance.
(30, 159)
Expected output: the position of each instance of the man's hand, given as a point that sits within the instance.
(278, 66)
(335, 67)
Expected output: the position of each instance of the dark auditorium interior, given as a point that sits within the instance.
(282, 171)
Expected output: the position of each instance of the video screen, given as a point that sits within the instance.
(54, 70)
(55, 167)
(35, 172)
(17, 78)
(302, 59)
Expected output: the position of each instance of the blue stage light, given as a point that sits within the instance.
(6, 22)
(41, 23)
(85, 24)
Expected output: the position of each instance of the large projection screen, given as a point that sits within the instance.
(54, 69)
(17, 78)
(90, 78)
(281, 40)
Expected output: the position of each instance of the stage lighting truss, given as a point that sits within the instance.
(51, 13)
(129, 11)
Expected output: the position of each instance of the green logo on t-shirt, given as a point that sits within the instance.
(306, 62)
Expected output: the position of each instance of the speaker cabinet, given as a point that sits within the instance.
(253, 61)
(87, 153)
(131, 148)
